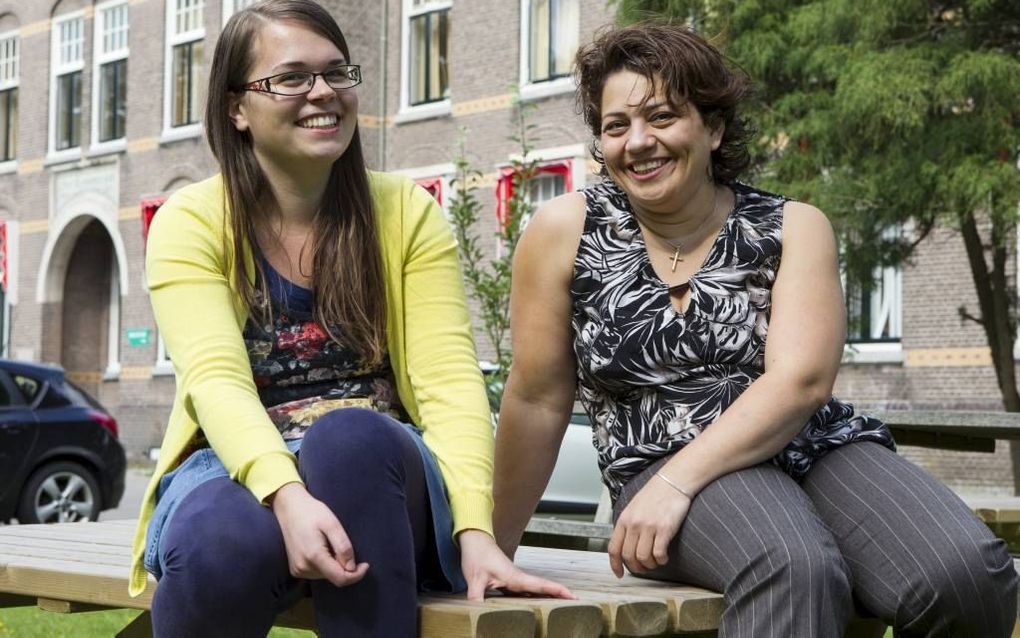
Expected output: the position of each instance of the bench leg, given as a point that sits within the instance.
(140, 627)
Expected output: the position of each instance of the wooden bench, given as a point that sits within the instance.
(81, 567)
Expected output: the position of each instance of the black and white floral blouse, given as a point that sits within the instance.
(652, 378)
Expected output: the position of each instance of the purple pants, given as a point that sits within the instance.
(226, 571)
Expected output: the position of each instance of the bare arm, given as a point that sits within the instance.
(540, 391)
(802, 355)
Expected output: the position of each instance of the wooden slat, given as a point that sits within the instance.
(554, 618)
(448, 620)
(68, 606)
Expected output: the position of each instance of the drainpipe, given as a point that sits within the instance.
(383, 65)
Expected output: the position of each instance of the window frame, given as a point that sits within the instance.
(173, 39)
(433, 108)
(100, 60)
(555, 85)
(886, 308)
(230, 8)
(569, 161)
(59, 70)
(12, 85)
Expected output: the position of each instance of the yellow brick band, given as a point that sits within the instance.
(947, 357)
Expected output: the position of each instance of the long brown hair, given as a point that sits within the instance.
(347, 274)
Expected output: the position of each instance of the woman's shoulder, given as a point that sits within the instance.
(197, 204)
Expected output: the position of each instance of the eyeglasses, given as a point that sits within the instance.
(343, 76)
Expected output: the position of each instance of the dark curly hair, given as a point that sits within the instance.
(692, 71)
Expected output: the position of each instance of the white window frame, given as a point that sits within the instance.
(230, 7)
(58, 69)
(407, 112)
(173, 39)
(163, 365)
(544, 88)
(101, 58)
(886, 310)
(11, 80)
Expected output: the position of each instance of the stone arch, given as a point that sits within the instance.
(61, 242)
(60, 7)
(8, 18)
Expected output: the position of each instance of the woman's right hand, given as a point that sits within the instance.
(317, 545)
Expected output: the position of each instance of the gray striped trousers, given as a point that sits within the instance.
(865, 527)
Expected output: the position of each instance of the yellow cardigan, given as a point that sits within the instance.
(200, 317)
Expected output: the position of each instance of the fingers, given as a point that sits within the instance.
(340, 546)
(615, 548)
(643, 549)
(660, 549)
(478, 585)
(524, 583)
(629, 550)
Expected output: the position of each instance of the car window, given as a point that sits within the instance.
(29, 387)
(53, 399)
(80, 397)
(5, 398)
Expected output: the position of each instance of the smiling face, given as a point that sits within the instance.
(659, 153)
(296, 131)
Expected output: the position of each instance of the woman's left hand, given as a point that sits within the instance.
(649, 522)
(486, 567)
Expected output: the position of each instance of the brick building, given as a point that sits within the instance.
(100, 119)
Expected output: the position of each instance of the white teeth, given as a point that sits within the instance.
(650, 165)
(319, 121)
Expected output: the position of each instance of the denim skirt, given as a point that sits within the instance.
(203, 465)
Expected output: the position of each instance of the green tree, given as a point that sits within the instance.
(487, 276)
(886, 114)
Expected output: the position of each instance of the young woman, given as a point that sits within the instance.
(701, 323)
(330, 430)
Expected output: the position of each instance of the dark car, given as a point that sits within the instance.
(60, 459)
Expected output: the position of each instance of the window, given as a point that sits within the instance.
(549, 34)
(8, 278)
(426, 34)
(110, 82)
(184, 59)
(553, 178)
(9, 73)
(874, 308)
(68, 61)
(28, 386)
(434, 185)
(875, 314)
(230, 7)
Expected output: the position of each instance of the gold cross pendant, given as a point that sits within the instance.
(676, 258)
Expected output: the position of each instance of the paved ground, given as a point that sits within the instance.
(136, 480)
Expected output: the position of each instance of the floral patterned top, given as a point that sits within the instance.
(301, 374)
(652, 378)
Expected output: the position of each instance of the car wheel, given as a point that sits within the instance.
(60, 492)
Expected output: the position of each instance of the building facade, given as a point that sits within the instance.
(101, 107)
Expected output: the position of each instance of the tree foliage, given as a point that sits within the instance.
(885, 114)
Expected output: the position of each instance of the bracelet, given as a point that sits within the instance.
(674, 486)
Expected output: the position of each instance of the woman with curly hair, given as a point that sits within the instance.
(701, 323)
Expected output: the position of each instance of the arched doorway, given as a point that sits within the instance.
(90, 308)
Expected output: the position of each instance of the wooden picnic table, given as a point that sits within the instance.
(974, 431)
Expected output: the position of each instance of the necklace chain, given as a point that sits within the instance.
(678, 246)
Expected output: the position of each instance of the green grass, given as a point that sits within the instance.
(30, 622)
